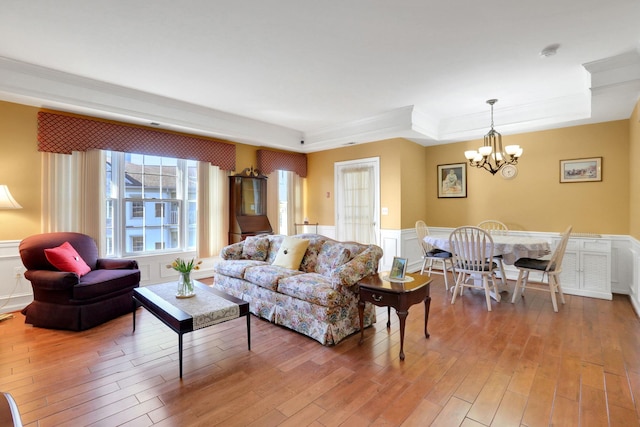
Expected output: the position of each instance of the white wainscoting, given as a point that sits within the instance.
(15, 290)
(625, 257)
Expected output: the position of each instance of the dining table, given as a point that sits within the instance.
(510, 247)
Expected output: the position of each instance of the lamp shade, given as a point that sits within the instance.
(6, 199)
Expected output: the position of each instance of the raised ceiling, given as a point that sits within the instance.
(275, 73)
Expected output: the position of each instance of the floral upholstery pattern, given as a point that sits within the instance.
(310, 258)
(330, 257)
(237, 269)
(268, 276)
(312, 287)
(319, 300)
(256, 248)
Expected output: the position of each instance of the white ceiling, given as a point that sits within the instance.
(276, 72)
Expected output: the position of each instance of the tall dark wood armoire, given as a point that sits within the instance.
(248, 205)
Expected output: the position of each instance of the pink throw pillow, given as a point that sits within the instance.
(65, 258)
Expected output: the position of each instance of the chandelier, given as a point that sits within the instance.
(491, 156)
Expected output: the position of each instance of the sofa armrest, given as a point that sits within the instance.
(116, 264)
(362, 265)
(233, 251)
(52, 280)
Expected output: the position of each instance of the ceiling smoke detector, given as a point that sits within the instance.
(550, 50)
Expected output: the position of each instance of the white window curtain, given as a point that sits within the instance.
(356, 204)
(73, 199)
(213, 208)
(73, 194)
(295, 197)
(273, 202)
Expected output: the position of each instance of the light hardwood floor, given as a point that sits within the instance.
(521, 364)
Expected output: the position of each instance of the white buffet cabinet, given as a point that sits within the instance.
(586, 267)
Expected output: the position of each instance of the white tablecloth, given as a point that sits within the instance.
(511, 247)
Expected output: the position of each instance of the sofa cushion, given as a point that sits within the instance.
(65, 258)
(291, 252)
(312, 287)
(310, 259)
(267, 276)
(331, 256)
(101, 283)
(255, 248)
(236, 268)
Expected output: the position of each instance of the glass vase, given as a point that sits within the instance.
(185, 286)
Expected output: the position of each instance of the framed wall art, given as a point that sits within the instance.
(581, 170)
(452, 180)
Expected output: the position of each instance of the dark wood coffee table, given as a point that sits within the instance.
(178, 320)
(401, 296)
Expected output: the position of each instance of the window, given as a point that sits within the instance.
(151, 204)
(137, 210)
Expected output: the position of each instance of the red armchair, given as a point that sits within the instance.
(64, 300)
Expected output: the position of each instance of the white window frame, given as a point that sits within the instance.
(119, 209)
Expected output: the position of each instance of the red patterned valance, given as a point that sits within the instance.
(269, 161)
(59, 133)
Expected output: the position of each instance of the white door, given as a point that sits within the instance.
(357, 190)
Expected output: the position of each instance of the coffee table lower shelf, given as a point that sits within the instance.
(178, 320)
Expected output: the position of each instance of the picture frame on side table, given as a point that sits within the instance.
(452, 180)
(398, 268)
(581, 170)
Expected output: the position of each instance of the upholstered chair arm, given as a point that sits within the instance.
(233, 251)
(362, 265)
(116, 264)
(51, 280)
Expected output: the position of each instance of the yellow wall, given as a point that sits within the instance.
(394, 155)
(535, 199)
(20, 170)
(634, 173)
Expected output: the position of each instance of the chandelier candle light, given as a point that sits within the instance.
(185, 283)
(491, 156)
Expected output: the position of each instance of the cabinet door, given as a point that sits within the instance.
(595, 272)
(569, 278)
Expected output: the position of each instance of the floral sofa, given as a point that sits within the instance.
(320, 299)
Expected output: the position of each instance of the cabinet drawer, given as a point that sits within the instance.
(596, 245)
(378, 298)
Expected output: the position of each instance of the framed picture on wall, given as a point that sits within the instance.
(452, 180)
(581, 170)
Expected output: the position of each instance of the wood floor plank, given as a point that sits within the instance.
(487, 402)
(521, 364)
(453, 413)
(510, 411)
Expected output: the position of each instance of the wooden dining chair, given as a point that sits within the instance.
(472, 249)
(495, 227)
(550, 268)
(9, 413)
(431, 254)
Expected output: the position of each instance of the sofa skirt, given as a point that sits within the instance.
(327, 325)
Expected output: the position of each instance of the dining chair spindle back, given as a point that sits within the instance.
(472, 249)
